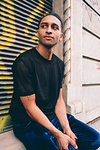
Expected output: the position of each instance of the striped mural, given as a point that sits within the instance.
(18, 26)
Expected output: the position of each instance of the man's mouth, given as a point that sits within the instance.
(48, 37)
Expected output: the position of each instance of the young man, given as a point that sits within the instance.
(37, 109)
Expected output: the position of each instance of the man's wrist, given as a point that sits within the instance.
(56, 133)
(66, 125)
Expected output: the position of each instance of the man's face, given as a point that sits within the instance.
(49, 32)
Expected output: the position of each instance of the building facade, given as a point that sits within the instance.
(81, 55)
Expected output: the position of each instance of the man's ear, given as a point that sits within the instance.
(61, 36)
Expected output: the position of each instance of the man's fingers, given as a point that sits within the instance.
(74, 137)
(73, 143)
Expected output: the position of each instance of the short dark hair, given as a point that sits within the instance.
(52, 14)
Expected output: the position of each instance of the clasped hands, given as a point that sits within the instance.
(66, 138)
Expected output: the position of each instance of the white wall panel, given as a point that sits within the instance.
(91, 72)
(90, 45)
(95, 4)
(91, 20)
(91, 97)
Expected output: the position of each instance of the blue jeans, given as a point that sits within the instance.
(35, 137)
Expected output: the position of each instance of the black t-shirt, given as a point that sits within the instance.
(33, 74)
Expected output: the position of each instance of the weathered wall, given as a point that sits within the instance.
(91, 58)
(82, 57)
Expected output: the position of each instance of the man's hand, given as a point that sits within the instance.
(67, 137)
(70, 134)
(64, 140)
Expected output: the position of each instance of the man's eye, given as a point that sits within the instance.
(55, 27)
(43, 26)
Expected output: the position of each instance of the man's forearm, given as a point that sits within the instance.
(37, 115)
(60, 111)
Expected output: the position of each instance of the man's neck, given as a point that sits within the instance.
(45, 52)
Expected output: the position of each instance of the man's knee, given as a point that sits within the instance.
(96, 142)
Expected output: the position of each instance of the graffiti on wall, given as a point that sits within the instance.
(98, 66)
(19, 20)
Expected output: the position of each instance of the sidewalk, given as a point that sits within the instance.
(95, 124)
(9, 142)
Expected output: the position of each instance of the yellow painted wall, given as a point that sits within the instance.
(19, 21)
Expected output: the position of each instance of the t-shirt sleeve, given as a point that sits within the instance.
(23, 79)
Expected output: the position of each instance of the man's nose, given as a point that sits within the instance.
(49, 30)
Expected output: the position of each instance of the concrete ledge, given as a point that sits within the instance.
(9, 142)
(95, 124)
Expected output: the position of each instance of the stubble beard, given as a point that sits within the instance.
(48, 45)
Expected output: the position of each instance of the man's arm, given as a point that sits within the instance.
(36, 114)
(60, 111)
